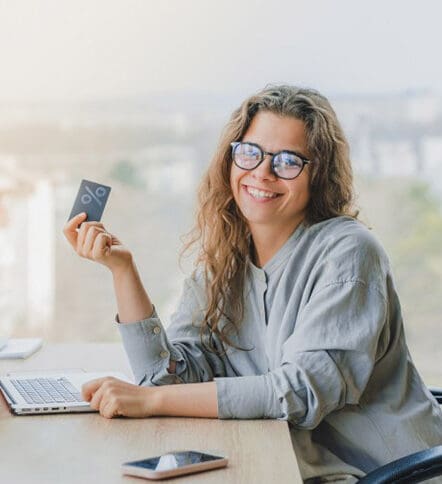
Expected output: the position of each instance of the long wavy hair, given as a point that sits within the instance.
(222, 231)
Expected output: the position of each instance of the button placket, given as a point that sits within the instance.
(263, 306)
(262, 303)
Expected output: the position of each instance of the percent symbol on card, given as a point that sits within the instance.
(100, 192)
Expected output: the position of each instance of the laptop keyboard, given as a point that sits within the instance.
(47, 390)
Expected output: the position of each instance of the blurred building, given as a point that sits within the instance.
(27, 249)
(395, 135)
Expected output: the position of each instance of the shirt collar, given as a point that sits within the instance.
(280, 257)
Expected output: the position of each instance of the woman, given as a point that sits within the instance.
(291, 312)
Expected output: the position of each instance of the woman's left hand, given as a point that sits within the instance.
(113, 397)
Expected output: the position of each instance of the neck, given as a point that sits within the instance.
(268, 240)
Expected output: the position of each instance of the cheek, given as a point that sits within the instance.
(300, 191)
(234, 180)
(305, 190)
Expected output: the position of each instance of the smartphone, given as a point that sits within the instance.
(173, 464)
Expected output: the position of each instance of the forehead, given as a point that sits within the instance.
(274, 132)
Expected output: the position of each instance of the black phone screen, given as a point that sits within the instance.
(174, 460)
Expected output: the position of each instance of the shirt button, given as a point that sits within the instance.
(164, 354)
(157, 330)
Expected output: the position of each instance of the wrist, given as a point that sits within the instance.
(189, 400)
(132, 300)
(125, 266)
(152, 399)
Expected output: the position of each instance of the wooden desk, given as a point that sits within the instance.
(88, 448)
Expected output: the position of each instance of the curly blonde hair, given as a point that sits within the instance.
(222, 231)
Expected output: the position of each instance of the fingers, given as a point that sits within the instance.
(93, 240)
(90, 387)
(92, 234)
(82, 239)
(70, 228)
(102, 395)
(113, 397)
(83, 232)
(108, 408)
(98, 398)
(102, 245)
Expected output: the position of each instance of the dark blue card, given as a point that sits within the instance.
(91, 198)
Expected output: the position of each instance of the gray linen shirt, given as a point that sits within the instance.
(328, 353)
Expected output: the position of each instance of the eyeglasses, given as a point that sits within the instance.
(285, 164)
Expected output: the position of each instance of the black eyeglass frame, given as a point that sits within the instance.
(304, 160)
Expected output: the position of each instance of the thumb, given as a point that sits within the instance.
(70, 228)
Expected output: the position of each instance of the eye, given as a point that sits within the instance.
(249, 151)
(289, 160)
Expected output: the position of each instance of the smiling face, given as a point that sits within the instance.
(284, 206)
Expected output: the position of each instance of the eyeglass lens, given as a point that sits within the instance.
(285, 164)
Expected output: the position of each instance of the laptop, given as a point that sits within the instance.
(32, 393)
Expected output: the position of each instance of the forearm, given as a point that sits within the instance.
(187, 400)
(132, 300)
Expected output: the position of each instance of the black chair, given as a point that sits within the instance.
(412, 468)
(409, 469)
(437, 393)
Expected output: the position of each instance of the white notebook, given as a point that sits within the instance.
(20, 348)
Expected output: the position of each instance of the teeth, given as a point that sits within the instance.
(260, 194)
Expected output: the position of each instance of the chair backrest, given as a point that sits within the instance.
(437, 393)
(409, 469)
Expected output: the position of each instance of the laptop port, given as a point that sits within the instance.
(55, 408)
(45, 408)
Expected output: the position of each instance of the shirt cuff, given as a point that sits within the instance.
(154, 314)
(247, 397)
(149, 350)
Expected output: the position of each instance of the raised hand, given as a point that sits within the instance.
(93, 242)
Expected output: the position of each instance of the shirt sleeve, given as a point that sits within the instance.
(150, 348)
(326, 362)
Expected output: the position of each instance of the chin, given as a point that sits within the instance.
(254, 220)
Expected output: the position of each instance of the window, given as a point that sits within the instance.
(134, 96)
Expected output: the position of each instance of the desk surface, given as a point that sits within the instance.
(88, 448)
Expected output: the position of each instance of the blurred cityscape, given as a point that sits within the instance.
(152, 152)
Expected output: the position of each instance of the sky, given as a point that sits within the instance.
(63, 50)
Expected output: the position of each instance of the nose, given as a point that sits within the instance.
(264, 170)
